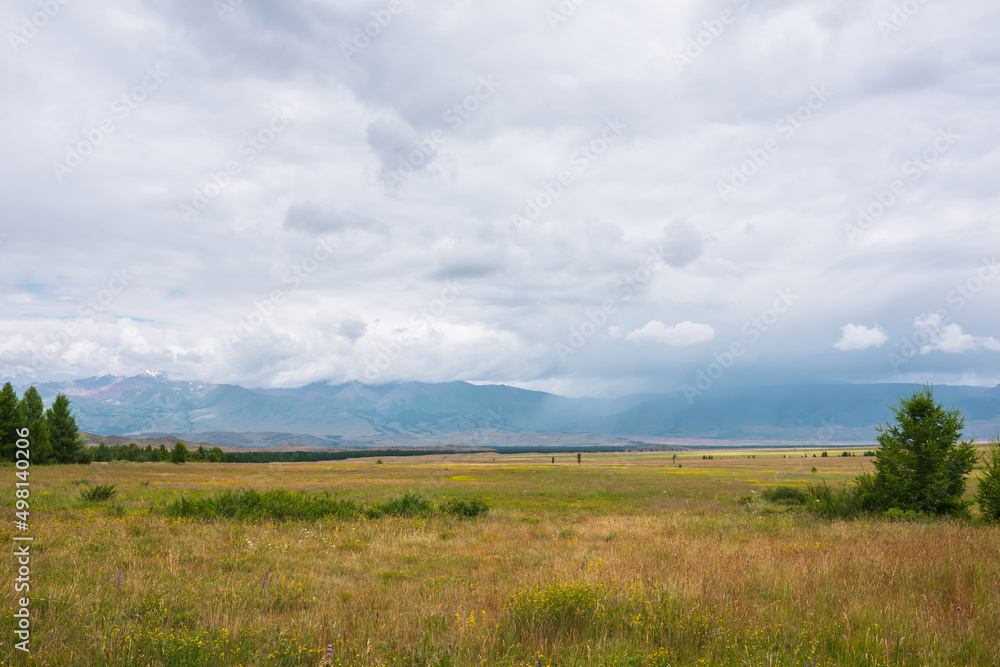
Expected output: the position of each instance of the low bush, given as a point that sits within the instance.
(465, 507)
(98, 493)
(828, 502)
(785, 495)
(249, 504)
(408, 504)
(282, 505)
(842, 502)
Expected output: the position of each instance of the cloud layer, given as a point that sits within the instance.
(309, 191)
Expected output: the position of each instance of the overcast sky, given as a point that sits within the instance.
(590, 197)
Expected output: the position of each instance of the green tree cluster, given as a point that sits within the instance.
(54, 435)
(134, 453)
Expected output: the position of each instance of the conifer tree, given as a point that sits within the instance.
(923, 462)
(8, 422)
(31, 415)
(179, 454)
(63, 433)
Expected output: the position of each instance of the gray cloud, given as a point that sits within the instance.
(303, 239)
(352, 329)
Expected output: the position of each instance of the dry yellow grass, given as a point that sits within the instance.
(626, 559)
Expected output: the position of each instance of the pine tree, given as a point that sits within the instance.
(179, 454)
(63, 433)
(922, 462)
(8, 422)
(31, 415)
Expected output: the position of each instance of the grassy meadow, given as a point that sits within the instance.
(625, 559)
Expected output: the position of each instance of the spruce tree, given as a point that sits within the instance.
(180, 453)
(63, 433)
(31, 415)
(8, 422)
(922, 462)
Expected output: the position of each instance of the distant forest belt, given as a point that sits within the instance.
(306, 457)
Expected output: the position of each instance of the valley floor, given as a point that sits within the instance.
(623, 559)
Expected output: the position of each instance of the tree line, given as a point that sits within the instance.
(178, 454)
(54, 435)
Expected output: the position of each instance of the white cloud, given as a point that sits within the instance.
(949, 337)
(860, 337)
(685, 333)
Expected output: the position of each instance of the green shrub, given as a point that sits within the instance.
(408, 504)
(896, 514)
(283, 505)
(465, 507)
(843, 502)
(786, 495)
(98, 493)
(249, 504)
(828, 502)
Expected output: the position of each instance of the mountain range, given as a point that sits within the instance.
(152, 405)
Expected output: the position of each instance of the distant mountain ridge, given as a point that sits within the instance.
(151, 402)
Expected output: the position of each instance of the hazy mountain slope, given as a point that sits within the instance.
(152, 403)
